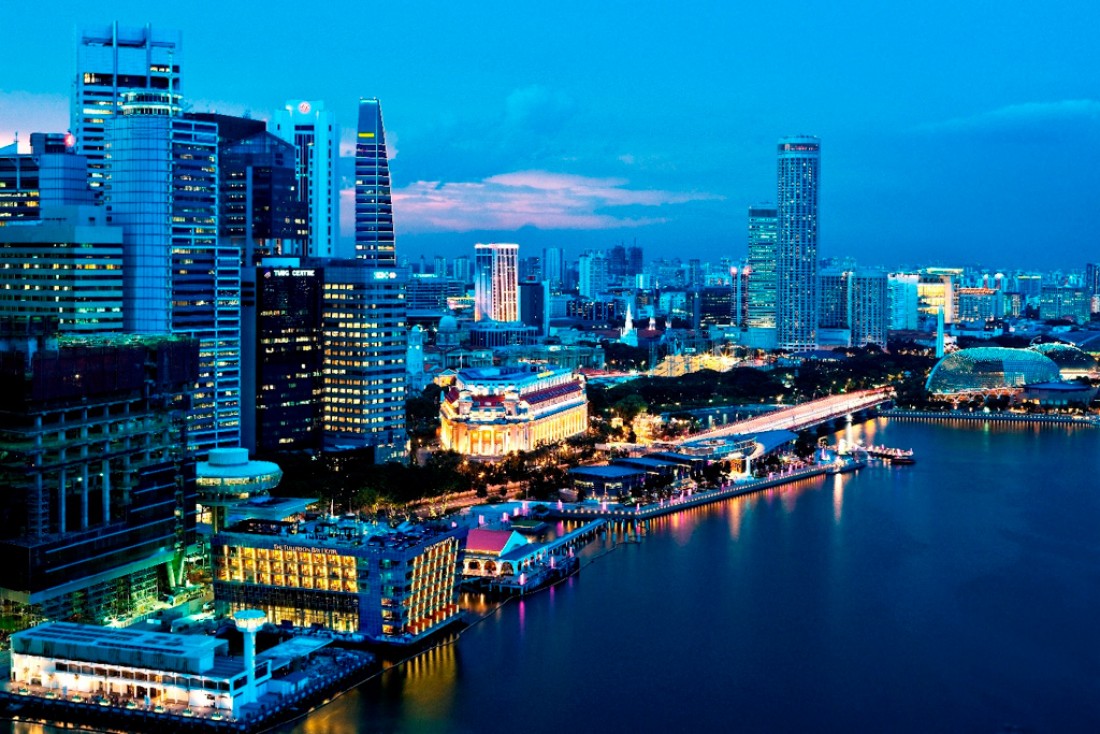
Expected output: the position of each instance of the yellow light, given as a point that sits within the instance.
(366, 135)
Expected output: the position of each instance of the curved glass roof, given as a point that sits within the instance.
(1070, 360)
(990, 368)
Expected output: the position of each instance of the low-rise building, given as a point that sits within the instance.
(493, 411)
(394, 586)
(81, 660)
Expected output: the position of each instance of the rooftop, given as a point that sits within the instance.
(340, 532)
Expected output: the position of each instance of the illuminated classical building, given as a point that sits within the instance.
(343, 574)
(493, 411)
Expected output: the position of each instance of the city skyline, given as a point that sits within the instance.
(943, 144)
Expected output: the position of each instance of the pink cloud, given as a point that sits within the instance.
(528, 198)
(46, 113)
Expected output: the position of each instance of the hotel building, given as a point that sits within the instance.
(496, 282)
(493, 411)
(796, 299)
(345, 575)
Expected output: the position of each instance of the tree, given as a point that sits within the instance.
(629, 408)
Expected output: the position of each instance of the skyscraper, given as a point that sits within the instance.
(592, 274)
(364, 314)
(111, 61)
(553, 267)
(496, 282)
(312, 130)
(796, 301)
(374, 241)
(763, 233)
(365, 344)
(178, 277)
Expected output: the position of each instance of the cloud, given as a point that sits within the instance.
(1030, 119)
(45, 113)
(538, 199)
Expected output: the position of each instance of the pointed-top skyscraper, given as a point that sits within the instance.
(373, 207)
(365, 336)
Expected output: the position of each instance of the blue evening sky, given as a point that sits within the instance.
(952, 132)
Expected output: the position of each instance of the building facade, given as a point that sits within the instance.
(178, 276)
(374, 240)
(344, 575)
(312, 130)
(50, 176)
(364, 342)
(284, 358)
(68, 267)
(496, 282)
(796, 245)
(99, 488)
(494, 411)
(111, 61)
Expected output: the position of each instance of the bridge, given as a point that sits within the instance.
(798, 417)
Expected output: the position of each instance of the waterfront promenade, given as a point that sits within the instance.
(997, 417)
(615, 511)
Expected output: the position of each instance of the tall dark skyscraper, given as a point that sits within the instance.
(763, 233)
(364, 314)
(374, 241)
(796, 248)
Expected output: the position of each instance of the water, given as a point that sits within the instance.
(956, 595)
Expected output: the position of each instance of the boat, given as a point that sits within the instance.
(892, 455)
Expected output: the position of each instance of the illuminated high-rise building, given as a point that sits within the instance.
(178, 277)
(364, 314)
(496, 282)
(796, 300)
(365, 342)
(374, 242)
(312, 130)
(111, 61)
(763, 232)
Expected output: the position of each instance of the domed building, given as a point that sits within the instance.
(990, 370)
(1072, 362)
(447, 335)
